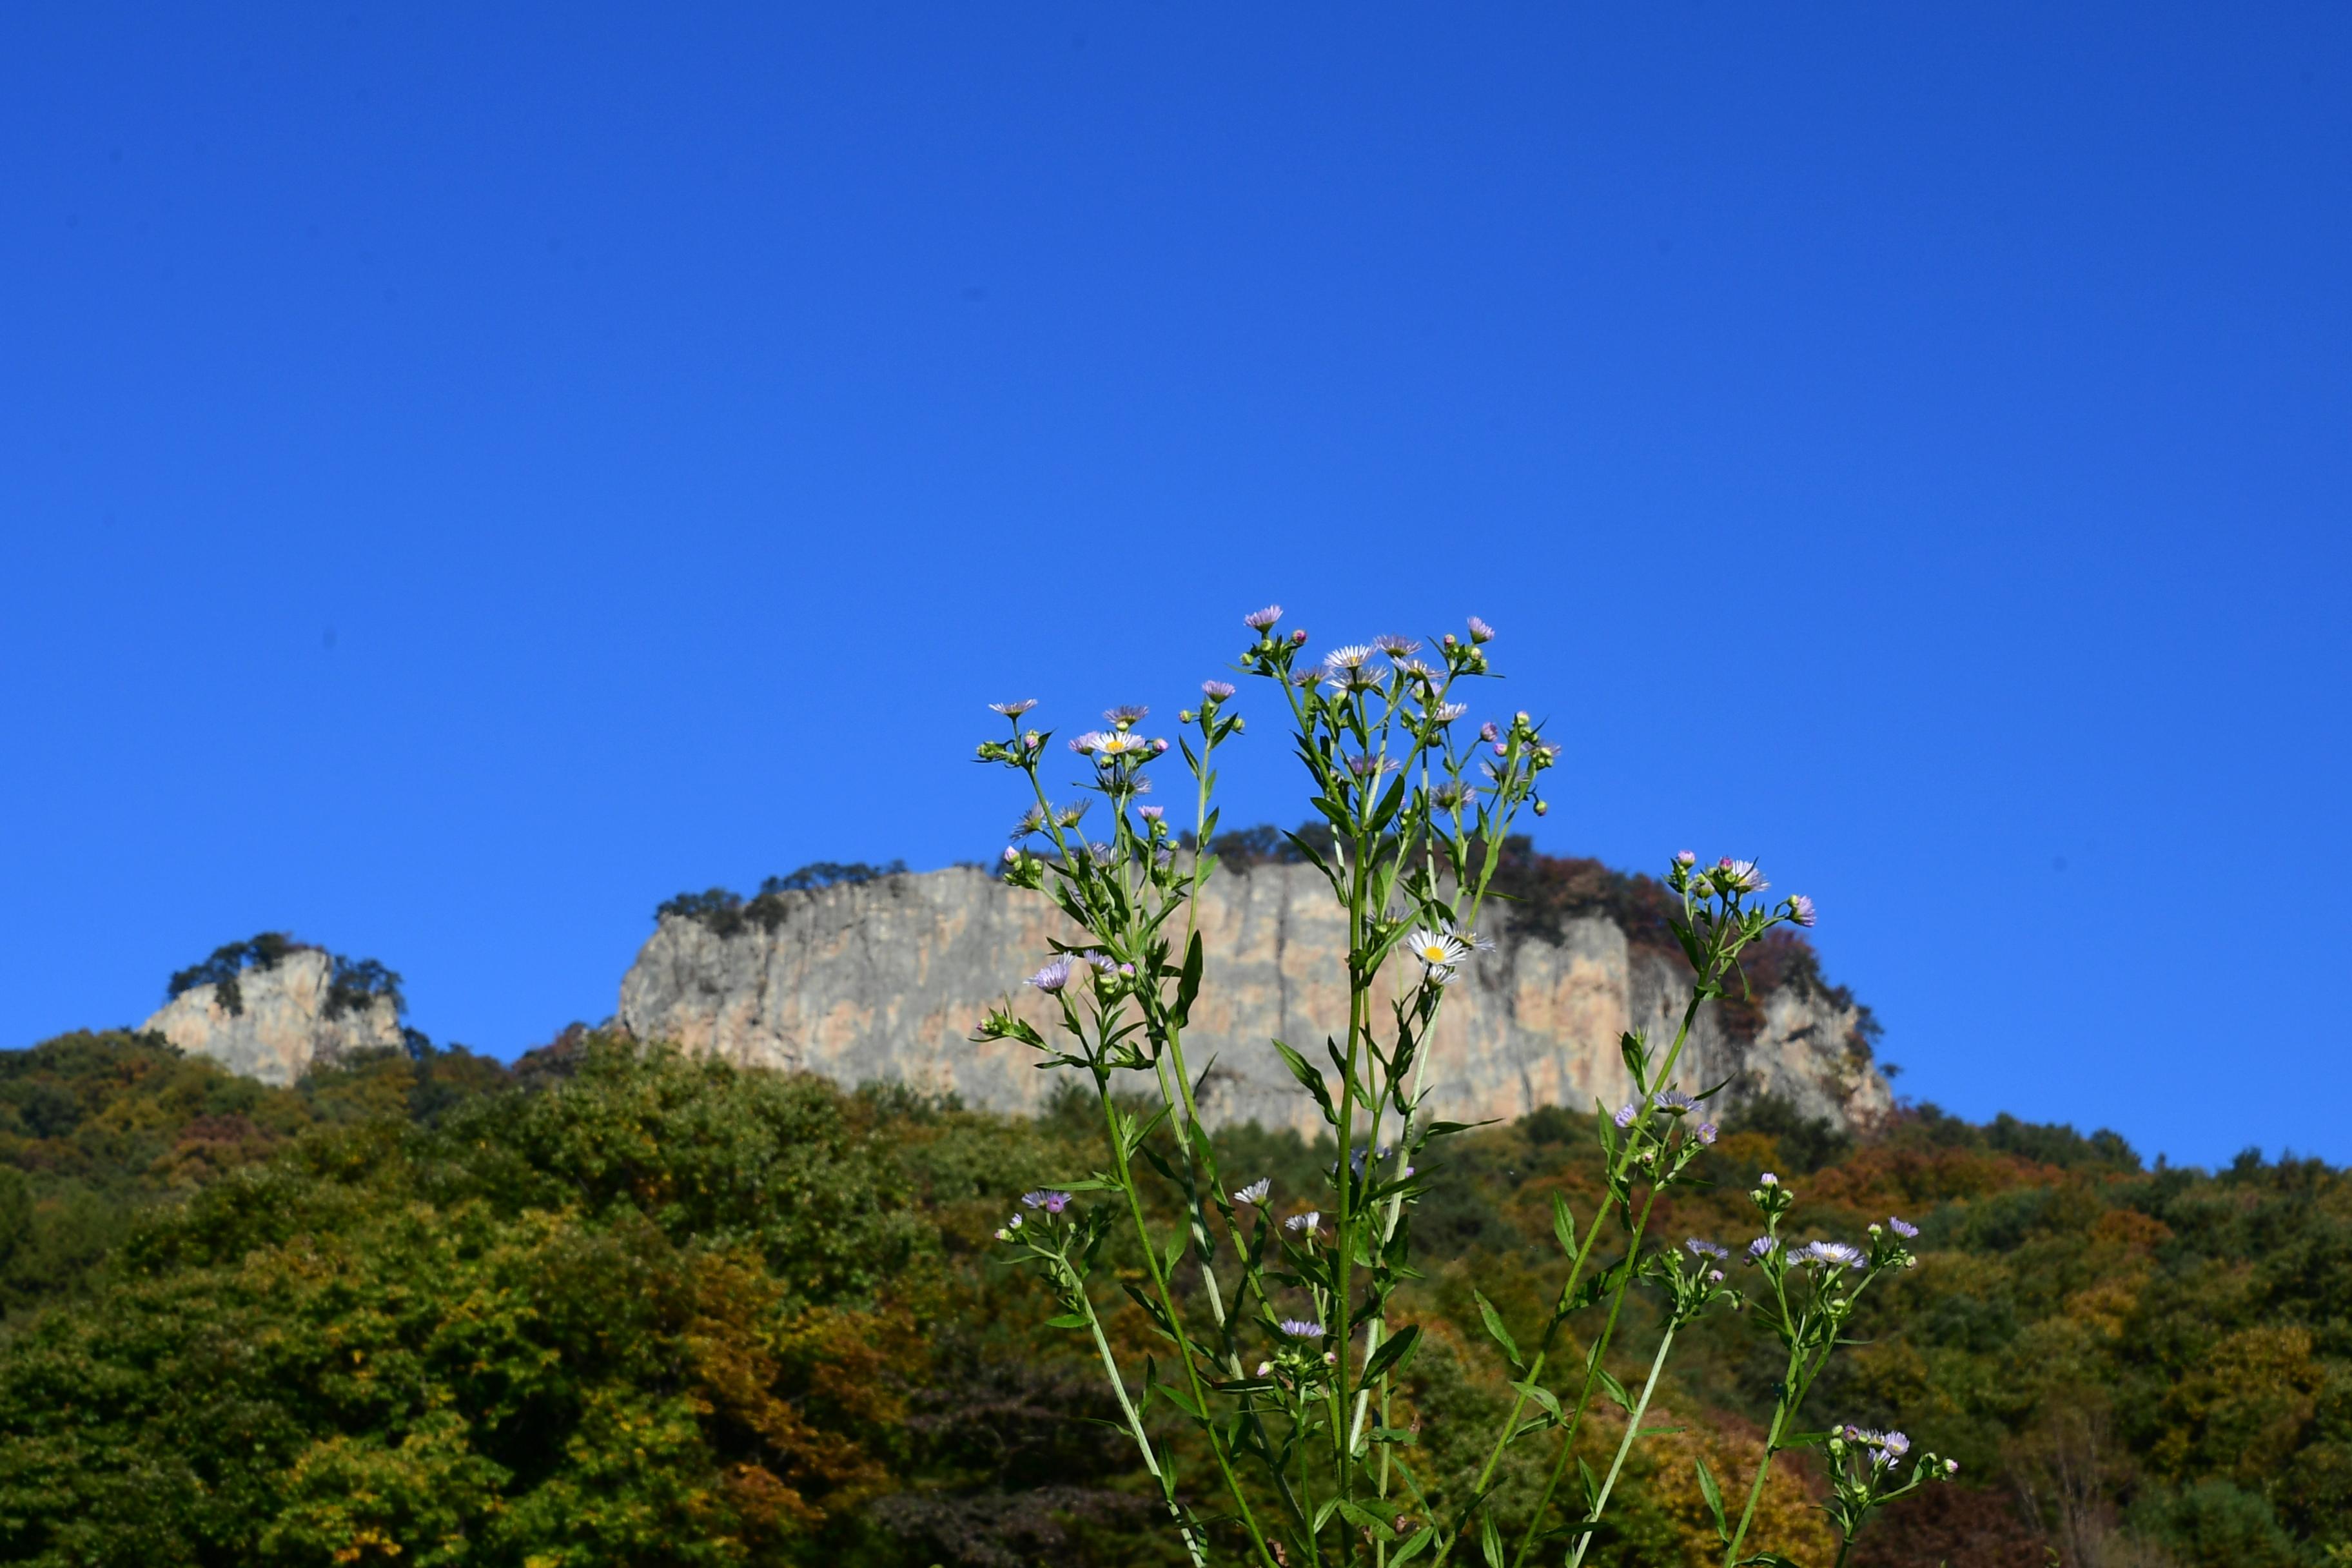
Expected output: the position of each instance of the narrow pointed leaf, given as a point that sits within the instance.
(1502, 1336)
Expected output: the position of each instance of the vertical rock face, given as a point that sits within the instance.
(281, 1026)
(884, 981)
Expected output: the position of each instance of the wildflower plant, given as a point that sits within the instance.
(1286, 1345)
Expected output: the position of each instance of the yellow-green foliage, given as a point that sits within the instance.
(622, 1307)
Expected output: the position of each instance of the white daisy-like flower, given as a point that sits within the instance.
(1014, 709)
(1085, 744)
(1468, 938)
(1396, 647)
(1119, 743)
(1739, 877)
(1437, 949)
(1256, 1192)
(1306, 1223)
(1446, 712)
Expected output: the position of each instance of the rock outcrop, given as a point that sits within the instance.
(283, 1023)
(885, 979)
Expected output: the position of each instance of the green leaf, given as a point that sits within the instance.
(1490, 1539)
(1563, 1225)
(1542, 1396)
(1308, 1079)
(1182, 1398)
(1190, 985)
(1415, 1544)
(1636, 1053)
(1591, 1484)
(1502, 1335)
(1713, 1496)
(1612, 1388)
(1392, 1354)
(1068, 1321)
(1357, 1514)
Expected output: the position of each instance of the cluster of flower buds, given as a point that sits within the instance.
(1044, 1201)
(1695, 1283)
(1728, 887)
(1863, 1465)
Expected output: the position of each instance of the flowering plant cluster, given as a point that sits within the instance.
(1287, 1347)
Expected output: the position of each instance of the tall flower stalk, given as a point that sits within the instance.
(1285, 1350)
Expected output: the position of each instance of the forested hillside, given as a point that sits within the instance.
(613, 1306)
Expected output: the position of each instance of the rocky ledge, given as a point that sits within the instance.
(883, 981)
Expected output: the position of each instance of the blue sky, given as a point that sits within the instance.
(476, 471)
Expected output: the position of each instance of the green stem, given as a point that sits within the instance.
(1176, 1321)
(1633, 1430)
(1135, 1424)
(1552, 1330)
(1781, 1410)
(1591, 1377)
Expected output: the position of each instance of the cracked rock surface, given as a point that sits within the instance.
(884, 981)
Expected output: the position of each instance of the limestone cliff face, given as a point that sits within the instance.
(281, 1027)
(885, 979)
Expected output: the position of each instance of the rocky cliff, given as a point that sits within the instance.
(884, 980)
(282, 1022)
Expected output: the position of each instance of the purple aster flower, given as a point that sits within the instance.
(1490, 730)
(1626, 1113)
(1216, 691)
(1700, 1247)
(1045, 1198)
(1446, 712)
(1126, 713)
(1053, 977)
(1480, 631)
(1370, 767)
(1902, 1227)
(1800, 909)
(1761, 1248)
(1152, 813)
(1740, 877)
(1896, 1444)
(1768, 1180)
(1014, 709)
(1684, 858)
(1258, 620)
(1707, 1131)
(1084, 745)
(1673, 1102)
(1302, 1328)
(1396, 647)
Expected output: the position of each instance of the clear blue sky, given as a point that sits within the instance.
(472, 472)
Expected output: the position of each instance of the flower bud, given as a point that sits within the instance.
(1298, 637)
(1540, 807)
(1684, 858)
